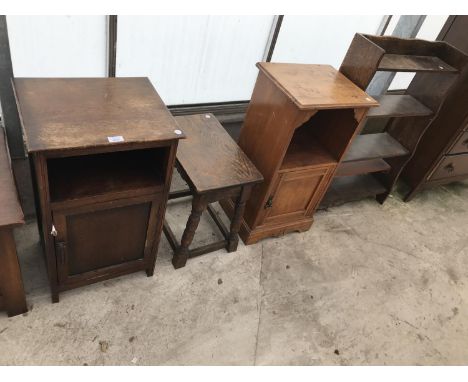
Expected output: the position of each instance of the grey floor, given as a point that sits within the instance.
(368, 284)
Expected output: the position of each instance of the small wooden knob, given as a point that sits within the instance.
(449, 167)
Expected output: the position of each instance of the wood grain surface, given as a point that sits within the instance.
(67, 113)
(11, 213)
(316, 86)
(11, 284)
(361, 60)
(211, 157)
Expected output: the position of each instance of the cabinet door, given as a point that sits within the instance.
(97, 241)
(296, 194)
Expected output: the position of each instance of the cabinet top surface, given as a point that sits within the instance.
(316, 86)
(72, 113)
(11, 213)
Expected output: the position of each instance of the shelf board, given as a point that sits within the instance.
(350, 188)
(362, 167)
(410, 63)
(305, 151)
(398, 105)
(374, 146)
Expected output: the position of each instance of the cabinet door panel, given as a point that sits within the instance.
(297, 194)
(104, 238)
(93, 239)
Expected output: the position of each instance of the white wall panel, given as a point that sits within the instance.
(432, 26)
(58, 46)
(430, 29)
(193, 59)
(320, 39)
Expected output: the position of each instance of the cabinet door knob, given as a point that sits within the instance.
(53, 231)
(269, 202)
(449, 168)
(465, 142)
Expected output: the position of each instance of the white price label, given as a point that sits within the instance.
(116, 138)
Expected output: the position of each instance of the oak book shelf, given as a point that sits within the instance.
(373, 162)
(442, 154)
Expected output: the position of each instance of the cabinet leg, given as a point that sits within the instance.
(55, 297)
(182, 252)
(11, 283)
(150, 271)
(410, 194)
(239, 208)
(381, 198)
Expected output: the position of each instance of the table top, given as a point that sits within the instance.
(72, 113)
(210, 157)
(11, 213)
(316, 86)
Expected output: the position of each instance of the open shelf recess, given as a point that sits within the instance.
(410, 63)
(398, 105)
(306, 151)
(374, 146)
(97, 174)
(362, 167)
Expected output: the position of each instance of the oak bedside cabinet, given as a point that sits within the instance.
(102, 153)
(299, 122)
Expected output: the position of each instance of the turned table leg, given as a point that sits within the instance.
(182, 252)
(239, 208)
(11, 283)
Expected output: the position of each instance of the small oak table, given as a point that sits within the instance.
(215, 168)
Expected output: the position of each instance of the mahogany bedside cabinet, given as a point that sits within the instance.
(215, 169)
(12, 298)
(102, 153)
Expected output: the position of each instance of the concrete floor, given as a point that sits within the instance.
(367, 285)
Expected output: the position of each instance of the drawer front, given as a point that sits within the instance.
(461, 146)
(451, 166)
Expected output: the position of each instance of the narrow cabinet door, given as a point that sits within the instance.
(59, 231)
(296, 194)
(94, 241)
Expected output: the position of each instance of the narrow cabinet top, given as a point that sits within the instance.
(316, 86)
